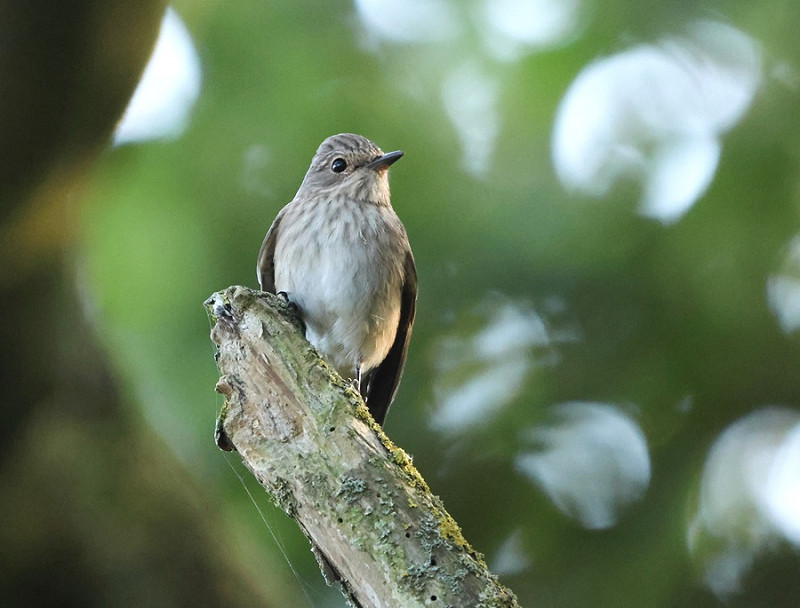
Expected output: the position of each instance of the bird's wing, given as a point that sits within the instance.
(384, 379)
(265, 268)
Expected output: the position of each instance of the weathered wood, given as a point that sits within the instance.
(306, 435)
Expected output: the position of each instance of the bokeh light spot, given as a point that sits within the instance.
(480, 373)
(656, 114)
(748, 496)
(163, 100)
(592, 461)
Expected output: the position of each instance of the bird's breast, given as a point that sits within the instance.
(341, 262)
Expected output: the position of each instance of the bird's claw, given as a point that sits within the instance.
(289, 304)
(292, 308)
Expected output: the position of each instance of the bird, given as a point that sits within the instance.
(340, 254)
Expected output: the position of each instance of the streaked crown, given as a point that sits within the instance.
(339, 168)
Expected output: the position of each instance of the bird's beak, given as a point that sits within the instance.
(383, 162)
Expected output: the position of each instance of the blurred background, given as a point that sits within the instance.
(604, 204)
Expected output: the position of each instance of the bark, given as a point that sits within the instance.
(374, 525)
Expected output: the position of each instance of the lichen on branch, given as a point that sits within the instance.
(308, 438)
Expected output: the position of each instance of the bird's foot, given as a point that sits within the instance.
(289, 303)
(292, 308)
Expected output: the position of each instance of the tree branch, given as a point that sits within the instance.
(306, 435)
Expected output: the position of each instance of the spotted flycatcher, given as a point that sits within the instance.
(341, 255)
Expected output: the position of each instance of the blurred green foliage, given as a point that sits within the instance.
(668, 324)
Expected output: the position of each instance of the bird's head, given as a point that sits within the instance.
(350, 165)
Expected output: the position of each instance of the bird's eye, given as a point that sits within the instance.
(338, 165)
